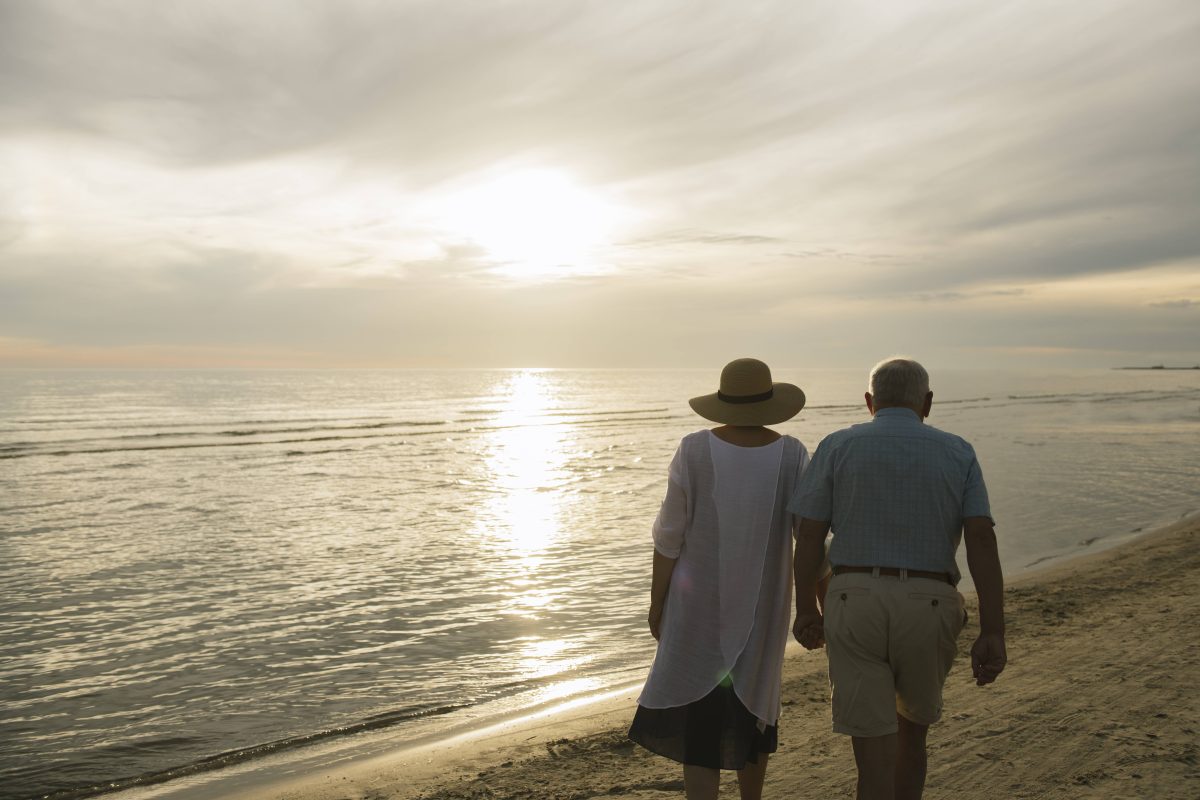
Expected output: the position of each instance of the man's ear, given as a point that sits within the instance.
(927, 405)
(870, 403)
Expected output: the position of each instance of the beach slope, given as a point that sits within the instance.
(1100, 699)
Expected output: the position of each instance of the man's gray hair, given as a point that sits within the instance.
(898, 382)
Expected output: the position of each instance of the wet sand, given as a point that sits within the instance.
(1101, 698)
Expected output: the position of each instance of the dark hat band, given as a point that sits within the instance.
(746, 398)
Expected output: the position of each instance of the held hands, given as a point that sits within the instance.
(809, 630)
(988, 657)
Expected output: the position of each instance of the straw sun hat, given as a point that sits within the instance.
(748, 396)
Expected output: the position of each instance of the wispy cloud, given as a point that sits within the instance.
(1180, 303)
(941, 297)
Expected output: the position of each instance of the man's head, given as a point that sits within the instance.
(899, 383)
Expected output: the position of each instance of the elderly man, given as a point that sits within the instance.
(899, 496)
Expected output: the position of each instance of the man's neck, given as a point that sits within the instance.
(915, 411)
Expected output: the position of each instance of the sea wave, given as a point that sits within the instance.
(237, 756)
(14, 450)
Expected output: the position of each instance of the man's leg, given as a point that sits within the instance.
(701, 783)
(924, 642)
(910, 759)
(862, 681)
(875, 757)
(751, 777)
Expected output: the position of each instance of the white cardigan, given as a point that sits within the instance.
(729, 603)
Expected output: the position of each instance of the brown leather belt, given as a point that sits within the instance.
(895, 572)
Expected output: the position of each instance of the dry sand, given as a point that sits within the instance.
(1101, 699)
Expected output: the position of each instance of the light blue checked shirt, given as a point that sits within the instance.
(895, 492)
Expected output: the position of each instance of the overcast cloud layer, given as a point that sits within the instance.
(599, 184)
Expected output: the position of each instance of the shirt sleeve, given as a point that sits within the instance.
(802, 463)
(975, 496)
(671, 522)
(813, 498)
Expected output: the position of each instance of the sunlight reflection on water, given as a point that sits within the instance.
(524, 460)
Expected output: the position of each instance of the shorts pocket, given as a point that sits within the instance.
(847, 593)
(933, 598)
(841, 601)
(949, 607)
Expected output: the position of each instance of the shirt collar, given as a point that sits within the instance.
(898, 413)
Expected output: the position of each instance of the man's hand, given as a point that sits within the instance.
(988, 658)
(809, 630)
(654, 619)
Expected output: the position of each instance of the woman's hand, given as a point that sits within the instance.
(660, 585)
(654, 618)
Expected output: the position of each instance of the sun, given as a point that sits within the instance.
(533, 223)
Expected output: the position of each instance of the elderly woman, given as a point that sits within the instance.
(721, 589)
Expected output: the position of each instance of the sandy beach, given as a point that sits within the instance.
(1099, 700)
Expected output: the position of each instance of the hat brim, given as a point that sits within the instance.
(785, 402)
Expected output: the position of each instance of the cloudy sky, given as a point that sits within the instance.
(563, 183)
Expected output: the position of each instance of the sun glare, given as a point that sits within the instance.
(524, 461)
(533, 223)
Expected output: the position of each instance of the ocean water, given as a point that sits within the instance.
(201, 567)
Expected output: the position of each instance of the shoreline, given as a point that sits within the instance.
(1101, 620)
(435, 736)
(433, 740)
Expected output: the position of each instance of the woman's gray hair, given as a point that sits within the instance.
(898, 382)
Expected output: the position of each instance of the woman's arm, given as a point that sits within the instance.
(660, 582)
(809, 627)
(669, 528)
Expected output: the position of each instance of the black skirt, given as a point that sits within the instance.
(716, 731)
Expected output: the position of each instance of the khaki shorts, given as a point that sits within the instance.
(891, 643)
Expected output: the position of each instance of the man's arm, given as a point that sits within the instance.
(660, 582)
(806, 566)
(988, 655)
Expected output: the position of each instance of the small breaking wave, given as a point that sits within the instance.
(231, 757)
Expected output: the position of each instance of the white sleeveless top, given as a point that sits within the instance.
(729, 604)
